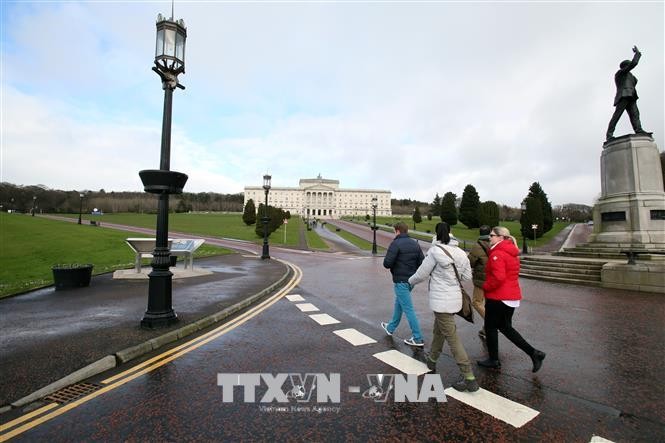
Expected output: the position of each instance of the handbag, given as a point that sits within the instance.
(466, 312)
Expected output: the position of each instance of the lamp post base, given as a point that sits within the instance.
(160, 314)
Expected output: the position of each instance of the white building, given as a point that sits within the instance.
(322, 198)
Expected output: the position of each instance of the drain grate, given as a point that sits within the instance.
(72, 392)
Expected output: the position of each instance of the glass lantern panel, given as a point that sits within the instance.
(169, 42)
(180, 47)
(160, 43)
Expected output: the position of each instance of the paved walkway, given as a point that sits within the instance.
(47, 335)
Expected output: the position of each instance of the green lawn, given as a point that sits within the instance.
(314, 241)
(223, 225)
(31, 245)
(464, 234)
(353, 239)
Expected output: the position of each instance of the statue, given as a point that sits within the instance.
(626, 96)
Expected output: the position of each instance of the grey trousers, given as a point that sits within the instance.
(446, 330)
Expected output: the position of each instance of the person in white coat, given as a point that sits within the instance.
(445, 299)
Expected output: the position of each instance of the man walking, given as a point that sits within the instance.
(478, 259)
(403, 257)
(626, 96)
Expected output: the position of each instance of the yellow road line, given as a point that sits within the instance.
(25, 417)
(216, 333)
(190, 342)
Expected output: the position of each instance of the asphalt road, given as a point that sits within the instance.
(600, 377)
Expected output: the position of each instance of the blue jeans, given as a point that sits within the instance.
(404, 304)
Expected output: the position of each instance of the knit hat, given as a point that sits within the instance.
(484, 232)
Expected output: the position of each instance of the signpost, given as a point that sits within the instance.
(285, 223)
(534, 227)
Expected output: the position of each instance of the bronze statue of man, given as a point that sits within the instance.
(626, 96)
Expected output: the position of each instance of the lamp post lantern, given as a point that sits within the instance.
(169, 63)
(525, 248)
(34, 205)
(81, 195)
(374, 206)
(534, 227)
(265, 219)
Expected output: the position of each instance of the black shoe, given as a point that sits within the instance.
(464, 384)
(489, 363)
(426, 358)
(537, 358)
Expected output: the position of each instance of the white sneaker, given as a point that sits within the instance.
(412, 342)
(385, 328)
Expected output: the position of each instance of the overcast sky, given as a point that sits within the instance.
(414, 97)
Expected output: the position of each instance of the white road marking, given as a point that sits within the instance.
(324, 319)
(354, 337)
(403, 362)
(295, 297)
(354, 389)
(498, 407)
(307, 307)
(599, 439)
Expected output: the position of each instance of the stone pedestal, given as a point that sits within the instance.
(631, 209)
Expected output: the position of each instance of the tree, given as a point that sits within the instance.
(488, 214)
(468, 209)
(532, 215)
(536, 191)
(417, 218)
(448, 209)
(435, 206)
(249, 214)
(275, 219)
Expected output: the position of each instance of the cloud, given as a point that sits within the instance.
(416, 98)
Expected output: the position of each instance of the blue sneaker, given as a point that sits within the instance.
(412, 342)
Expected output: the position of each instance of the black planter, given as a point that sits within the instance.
(157, 181)
(71, 276)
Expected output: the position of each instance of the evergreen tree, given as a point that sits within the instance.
(533, 215)
(435, 206)
(448, 209)
(468, 209)
(488, 214)
(249, 214)
(536, 191)
(417, 218)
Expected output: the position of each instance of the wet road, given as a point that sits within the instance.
(600, 377)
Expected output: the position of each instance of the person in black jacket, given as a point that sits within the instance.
(403, 257)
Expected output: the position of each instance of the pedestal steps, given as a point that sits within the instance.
(612, 251)
(564, 270)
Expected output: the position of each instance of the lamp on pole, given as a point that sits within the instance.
(81, 195)
(34, 205)
(534, 227)
(265, 219)
(169, 63)
(374, 206)
(525, 248)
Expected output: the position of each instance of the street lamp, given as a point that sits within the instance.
(374, 206)
(34, 205)
(525, 248)
(169, 63)
(534, 227)
(81, 206)
(265, 219)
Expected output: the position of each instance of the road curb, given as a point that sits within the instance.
(133, 352)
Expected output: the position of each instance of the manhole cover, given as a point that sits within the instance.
(72, 392)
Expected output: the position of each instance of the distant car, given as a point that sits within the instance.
(589, 223)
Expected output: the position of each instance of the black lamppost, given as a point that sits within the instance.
(374, 206)
(265, 219)
(34, 205)
(169, 63)
(525, 248)
(81, 206)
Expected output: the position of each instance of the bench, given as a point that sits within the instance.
(632, 254)
(143, 247)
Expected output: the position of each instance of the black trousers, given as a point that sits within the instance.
(629, 105)
(499, 317)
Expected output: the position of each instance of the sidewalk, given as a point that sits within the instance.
(47, 335)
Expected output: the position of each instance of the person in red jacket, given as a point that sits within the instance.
(502, 296)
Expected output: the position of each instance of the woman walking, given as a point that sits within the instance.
(502, 296)
(442, 264)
